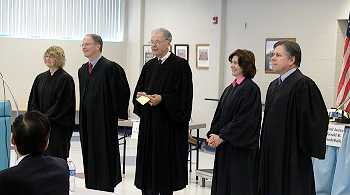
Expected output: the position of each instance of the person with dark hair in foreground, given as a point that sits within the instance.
(35, 173)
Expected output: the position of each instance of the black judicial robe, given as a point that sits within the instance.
(54, 96)
(237, 121)
(162, 150)
(294, 130)
(104, 97)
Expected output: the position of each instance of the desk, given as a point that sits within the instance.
(124, 123)
(85, 191)
(332, 173)
(196, 126)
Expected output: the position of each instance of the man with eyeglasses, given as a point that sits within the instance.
(163, 101)
(104, 97)
(294, 127)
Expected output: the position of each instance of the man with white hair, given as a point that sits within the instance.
(163, 101)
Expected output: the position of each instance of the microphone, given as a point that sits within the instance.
(9, 89)
(342, 104)
(15, 102)
(342, 119)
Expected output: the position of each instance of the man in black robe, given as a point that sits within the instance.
(104, 97)
(294, 127)
(162, 150)
(53, 93)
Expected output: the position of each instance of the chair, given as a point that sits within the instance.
(124, 132)
(193, 144)
(5, 134)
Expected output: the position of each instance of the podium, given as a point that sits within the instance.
(5, 133)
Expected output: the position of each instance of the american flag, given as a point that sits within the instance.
(343, 94)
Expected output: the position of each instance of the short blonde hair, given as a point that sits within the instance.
(57, 53)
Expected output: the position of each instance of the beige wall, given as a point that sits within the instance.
(313, 23)
(190, 23)
(21, 60)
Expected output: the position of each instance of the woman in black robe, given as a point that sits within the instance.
(234, 131)
(53, 94)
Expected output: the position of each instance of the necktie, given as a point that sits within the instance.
(159, 61)
(90, 68)
(279, 81)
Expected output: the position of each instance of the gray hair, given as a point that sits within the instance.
(165, 32)
(97, 39)
(292, 48)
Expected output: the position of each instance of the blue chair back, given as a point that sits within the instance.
(5, 133)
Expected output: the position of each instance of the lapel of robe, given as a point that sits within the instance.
(87, 76)
(85, 79)
(97, 66)
(286, 84)
(292, 79)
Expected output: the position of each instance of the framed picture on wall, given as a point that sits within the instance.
(181, 50)
(269, 52)
(147, 53)
(202, 56)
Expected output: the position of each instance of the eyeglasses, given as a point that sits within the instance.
(86, 44)
(156, 42)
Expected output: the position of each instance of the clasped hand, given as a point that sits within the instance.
(214, 140)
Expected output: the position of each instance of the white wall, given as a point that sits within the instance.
(190, 23)
(21, 60)
(134, 42)
(313, 23)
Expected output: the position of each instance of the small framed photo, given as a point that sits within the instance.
(202, 56)
(181, 50)
(269, 52)
(147, 53)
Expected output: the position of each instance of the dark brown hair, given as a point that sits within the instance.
(292, 48)
(246, 60)
(31, 132)
(97, 39)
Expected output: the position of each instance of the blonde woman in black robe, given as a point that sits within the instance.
(53, 94)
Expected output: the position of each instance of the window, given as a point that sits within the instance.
(62, 19)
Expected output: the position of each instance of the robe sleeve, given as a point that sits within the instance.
(139, 88)
(312, 119)
(33, 102)
(80, 83)
(214, 127)
(178, 102)
(120, 91)
(64, 105)
(243, 130)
